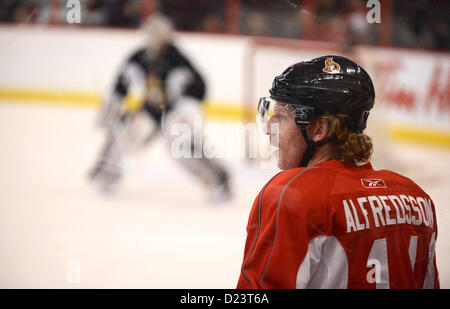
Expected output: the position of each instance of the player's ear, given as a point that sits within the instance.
(320, 127)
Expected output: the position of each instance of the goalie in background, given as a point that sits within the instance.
(172, 91)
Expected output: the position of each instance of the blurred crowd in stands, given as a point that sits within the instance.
(419, 23)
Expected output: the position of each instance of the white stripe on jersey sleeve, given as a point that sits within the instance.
(325, 265)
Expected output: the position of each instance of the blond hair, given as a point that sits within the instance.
(348, 146)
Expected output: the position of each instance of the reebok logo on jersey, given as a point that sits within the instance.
(373, 183)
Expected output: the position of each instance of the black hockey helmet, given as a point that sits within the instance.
(328, 84)
(332, 84)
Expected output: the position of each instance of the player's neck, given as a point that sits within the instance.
(322, 154)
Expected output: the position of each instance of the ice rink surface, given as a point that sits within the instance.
(158, 231)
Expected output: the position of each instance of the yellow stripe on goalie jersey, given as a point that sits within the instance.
(132, 103)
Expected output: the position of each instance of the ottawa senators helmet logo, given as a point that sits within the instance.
(331, 66)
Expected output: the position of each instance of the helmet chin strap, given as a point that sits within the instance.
(311, 147)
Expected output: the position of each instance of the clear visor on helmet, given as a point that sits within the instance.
(270, 112)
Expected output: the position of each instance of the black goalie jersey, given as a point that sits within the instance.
(168, 78)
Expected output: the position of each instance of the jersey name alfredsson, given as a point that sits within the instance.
(386, 210)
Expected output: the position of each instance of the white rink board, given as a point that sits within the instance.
(88, 60)
(238, 70)
(157, 232)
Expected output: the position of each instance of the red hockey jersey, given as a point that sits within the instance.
(335, 225)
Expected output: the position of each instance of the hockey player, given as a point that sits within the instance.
(168, 91)
(329, 220)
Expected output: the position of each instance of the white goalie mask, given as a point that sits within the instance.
(159, 31)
